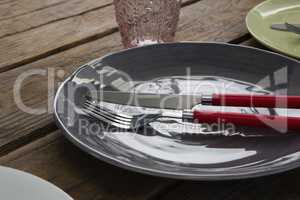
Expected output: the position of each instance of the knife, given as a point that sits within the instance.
(163, 101)
(293, 28)
(286, 27)
(182, 102)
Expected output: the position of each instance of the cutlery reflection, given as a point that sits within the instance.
(295, 28)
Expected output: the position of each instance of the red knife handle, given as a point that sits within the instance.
(251, 120)
(266, 101)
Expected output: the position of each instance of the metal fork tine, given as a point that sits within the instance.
(102, 108)
(116, 119)
(104, 117)
(109, 113)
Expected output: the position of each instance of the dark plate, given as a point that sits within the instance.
(166, 148)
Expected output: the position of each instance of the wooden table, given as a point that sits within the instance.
(60, 35)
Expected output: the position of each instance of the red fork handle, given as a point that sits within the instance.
(251, 120)
(266, 101)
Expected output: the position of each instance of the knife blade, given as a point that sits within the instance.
(175, 101)
(283, 27)
(293, 28)
(161, 101)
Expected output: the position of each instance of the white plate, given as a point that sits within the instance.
(18, 185)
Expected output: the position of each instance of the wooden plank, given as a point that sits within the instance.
(47, 14)
(35, 89)
(204, 190)
(276, 187)
(13, 8)
(83, 177)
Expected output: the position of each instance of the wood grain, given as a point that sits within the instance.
(83, 177)
(55, 37)
(35, 90)
(47, 14)
(12, 8)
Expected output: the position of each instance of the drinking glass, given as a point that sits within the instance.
(143, 22)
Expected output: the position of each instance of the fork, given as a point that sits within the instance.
(124, 121)
(120, 120)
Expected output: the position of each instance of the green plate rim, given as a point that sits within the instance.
(267, 44)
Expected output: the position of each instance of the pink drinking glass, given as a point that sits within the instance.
(143, 22)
